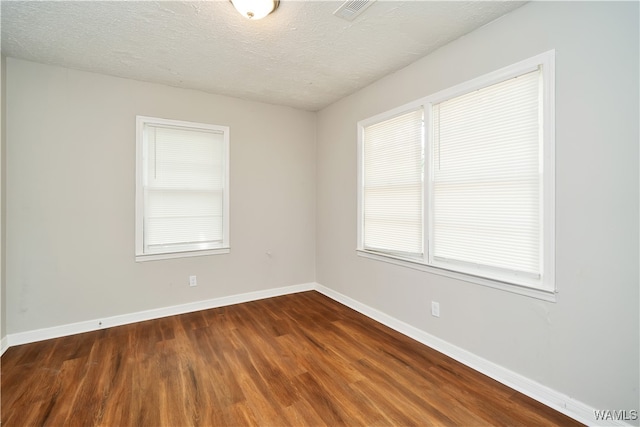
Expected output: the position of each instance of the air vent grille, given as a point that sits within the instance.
(350, 9)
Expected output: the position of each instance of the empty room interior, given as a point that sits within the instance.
(320, 213)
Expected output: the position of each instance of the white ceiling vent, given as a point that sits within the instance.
(350, 9)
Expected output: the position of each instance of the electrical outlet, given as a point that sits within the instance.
(193, 281)
(435, 309)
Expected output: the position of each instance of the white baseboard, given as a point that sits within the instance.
(543, 394)
(4, 345)
(124, 319)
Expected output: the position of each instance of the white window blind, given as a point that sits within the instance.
(487, 177)
(392, 195)
(183, 194)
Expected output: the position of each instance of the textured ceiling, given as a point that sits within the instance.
(301, 56)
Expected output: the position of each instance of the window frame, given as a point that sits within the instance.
(545, 287)
(140, 255)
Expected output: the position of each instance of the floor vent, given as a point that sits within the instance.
(350, 9)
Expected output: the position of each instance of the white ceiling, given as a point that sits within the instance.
(301, 56)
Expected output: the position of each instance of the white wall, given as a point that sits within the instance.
(3, 311)
(70, 198)
(586, 345)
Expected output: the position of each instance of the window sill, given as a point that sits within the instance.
(172, 255)
(542, 294)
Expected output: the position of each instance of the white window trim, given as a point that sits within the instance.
(545, 289)
(139, 202)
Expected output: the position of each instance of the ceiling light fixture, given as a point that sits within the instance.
(255, 9)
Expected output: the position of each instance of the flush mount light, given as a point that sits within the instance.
(255, 9)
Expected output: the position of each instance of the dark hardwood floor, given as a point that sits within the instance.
(298, 360)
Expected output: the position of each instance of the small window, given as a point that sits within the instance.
(182, 191)
(461, 182)
(392, 190)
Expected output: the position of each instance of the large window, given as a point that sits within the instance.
(461, 182)
(182, 191)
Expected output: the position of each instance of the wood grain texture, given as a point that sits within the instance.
(295, 360)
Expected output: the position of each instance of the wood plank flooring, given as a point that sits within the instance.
(295, 360)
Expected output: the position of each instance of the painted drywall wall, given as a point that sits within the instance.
(586, 345)
(3, 311)
(70, 197)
